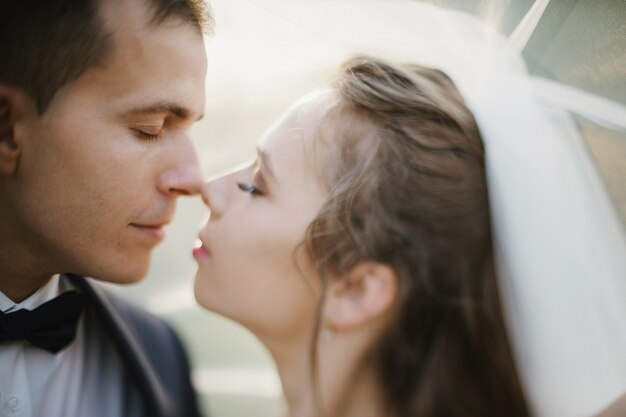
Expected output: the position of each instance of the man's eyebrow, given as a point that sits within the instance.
(175, 109)
(266, 162)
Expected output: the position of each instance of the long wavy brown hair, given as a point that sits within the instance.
(408, 189)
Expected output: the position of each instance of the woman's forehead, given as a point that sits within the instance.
(294, 143)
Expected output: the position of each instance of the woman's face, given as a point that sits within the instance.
(250, 266)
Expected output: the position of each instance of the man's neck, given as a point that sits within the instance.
(19, 285)
(22, 269)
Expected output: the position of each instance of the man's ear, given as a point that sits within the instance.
(367, 292)
(15, 106)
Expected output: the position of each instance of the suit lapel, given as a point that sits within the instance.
(128, 347)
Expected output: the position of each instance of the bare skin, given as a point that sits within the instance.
(88, 186)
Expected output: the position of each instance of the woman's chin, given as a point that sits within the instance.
(200, 292)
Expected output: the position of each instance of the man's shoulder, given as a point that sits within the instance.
(149, 346)
(140, 321)
(155, 335)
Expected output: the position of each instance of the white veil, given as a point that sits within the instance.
(560, 250)
(560, 246)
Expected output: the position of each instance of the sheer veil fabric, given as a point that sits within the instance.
(560, 252)
(559, 243)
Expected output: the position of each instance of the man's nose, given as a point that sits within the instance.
(184, 175)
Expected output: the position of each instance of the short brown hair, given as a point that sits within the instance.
(45, 45)
(406, 175)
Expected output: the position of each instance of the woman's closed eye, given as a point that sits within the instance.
(249, 188)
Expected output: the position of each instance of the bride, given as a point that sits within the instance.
(558, 245)
(357, 248)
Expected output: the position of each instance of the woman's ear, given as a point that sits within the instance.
(367, 292)
(15, 106)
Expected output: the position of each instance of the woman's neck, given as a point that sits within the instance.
(347, 385)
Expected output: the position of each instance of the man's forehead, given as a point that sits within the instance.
(124, 15)
(152, 68)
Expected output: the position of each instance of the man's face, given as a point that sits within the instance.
(101, 169)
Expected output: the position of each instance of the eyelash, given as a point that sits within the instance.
(147, 136)
(249, 188)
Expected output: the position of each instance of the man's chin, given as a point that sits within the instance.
(130, 274)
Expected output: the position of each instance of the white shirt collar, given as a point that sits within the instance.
(52, 289)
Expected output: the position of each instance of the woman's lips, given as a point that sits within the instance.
(200, 251)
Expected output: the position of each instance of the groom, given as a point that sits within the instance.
(96, 101)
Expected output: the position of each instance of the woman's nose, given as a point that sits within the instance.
(213, 198)
(217, 192)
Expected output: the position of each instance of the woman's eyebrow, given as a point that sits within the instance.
(266, 162)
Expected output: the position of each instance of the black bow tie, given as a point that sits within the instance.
(51, 326)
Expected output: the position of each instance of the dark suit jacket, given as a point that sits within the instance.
(150, 351)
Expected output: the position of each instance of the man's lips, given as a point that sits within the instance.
(151, 231)
(201, 251)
